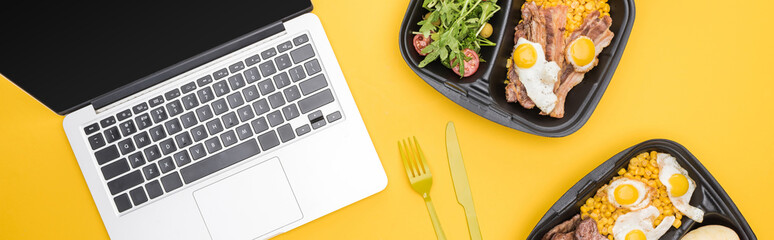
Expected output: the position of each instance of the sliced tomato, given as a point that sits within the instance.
(420, 42)
(471, 66)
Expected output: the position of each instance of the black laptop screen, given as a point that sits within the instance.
(66, 53)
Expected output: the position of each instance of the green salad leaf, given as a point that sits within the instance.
(454, 25)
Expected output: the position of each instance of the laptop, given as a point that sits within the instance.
(196, 120)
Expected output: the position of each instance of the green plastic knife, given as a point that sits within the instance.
(460, 180)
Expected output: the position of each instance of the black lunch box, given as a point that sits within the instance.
(484, 92)
(709, 196)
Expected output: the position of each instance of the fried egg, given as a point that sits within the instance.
(582, 54)
(629, 193)
(536, 74)
(638, 225)
(679, 186)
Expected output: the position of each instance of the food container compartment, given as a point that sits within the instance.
(484, 92)
(718, 208)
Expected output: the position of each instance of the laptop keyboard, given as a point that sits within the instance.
(212, 122)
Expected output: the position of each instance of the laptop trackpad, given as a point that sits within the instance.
(250, 203)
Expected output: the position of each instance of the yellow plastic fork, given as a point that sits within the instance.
(419, 175)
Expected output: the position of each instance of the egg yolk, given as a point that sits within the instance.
(525, 55)
(626, 194)
(582, 51)
(679, 184)
(635, 235)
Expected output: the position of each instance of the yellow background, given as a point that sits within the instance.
(697, 72)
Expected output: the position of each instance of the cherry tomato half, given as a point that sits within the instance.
(420, 42)
(471, 66)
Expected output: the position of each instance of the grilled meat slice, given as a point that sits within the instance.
(565, 227)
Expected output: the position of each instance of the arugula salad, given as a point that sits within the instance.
(455, 29)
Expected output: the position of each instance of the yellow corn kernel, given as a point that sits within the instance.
(590, 201)
(608, 214)
(678, 216)
(621, 171)
(656, 222)
(584, 215)
(668, 211)
(677, 223)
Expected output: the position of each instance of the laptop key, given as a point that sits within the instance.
(318, 124)
(154, 189)
(173, 126)
(290, 111)
(182, 158)
(96, 141)
(122, 202)
(297, 73)
(124, 114)
(126, 146)
(152, 153)
(284, 46)
(171, 181)
(202, 81)
(244, 131)
(226, 158)
(275, 118)
(230, 120)
(261, 106)
(267, 68)
(183, 140)
(140, 108)
(266, 86)
(252, 75)
(302, 54)
(174, 108)
(268, 140)
(167, 146)
(189, 101)
(303, 130)
(138, 196)
(199, 133)
(315, 116)
(197, 151)
(166, 165)
(236, 67)
(312, 67)
(220, 74)
(268, 53)
(106, 154)
(283, 62)
(276, 100)
(281, 80)
(156, 101)
(300, 39)
(188, 119)
(94, 127)
(315, 101)
(292, 93)
(235, 100)
(213, 145)
(333, 116)
(214, 126)
(228, 138)
(250, 93)
(125, 182)
(127, 128)
(205, 94)
(220, 88)
(151, 171)
(158, 114)
(259, 125)
(112, 134)
(219, 106)
(253, 60)
(286, 133)
(236, 81)
(313, 84)
(174, 93)
(143, 121)
(142, 139)
(157, 133)
(204, 113)
(115, 168)
(245, 113)
(107, 121)
(136, 159)
(188, 87)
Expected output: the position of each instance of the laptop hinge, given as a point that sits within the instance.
(120, 95)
